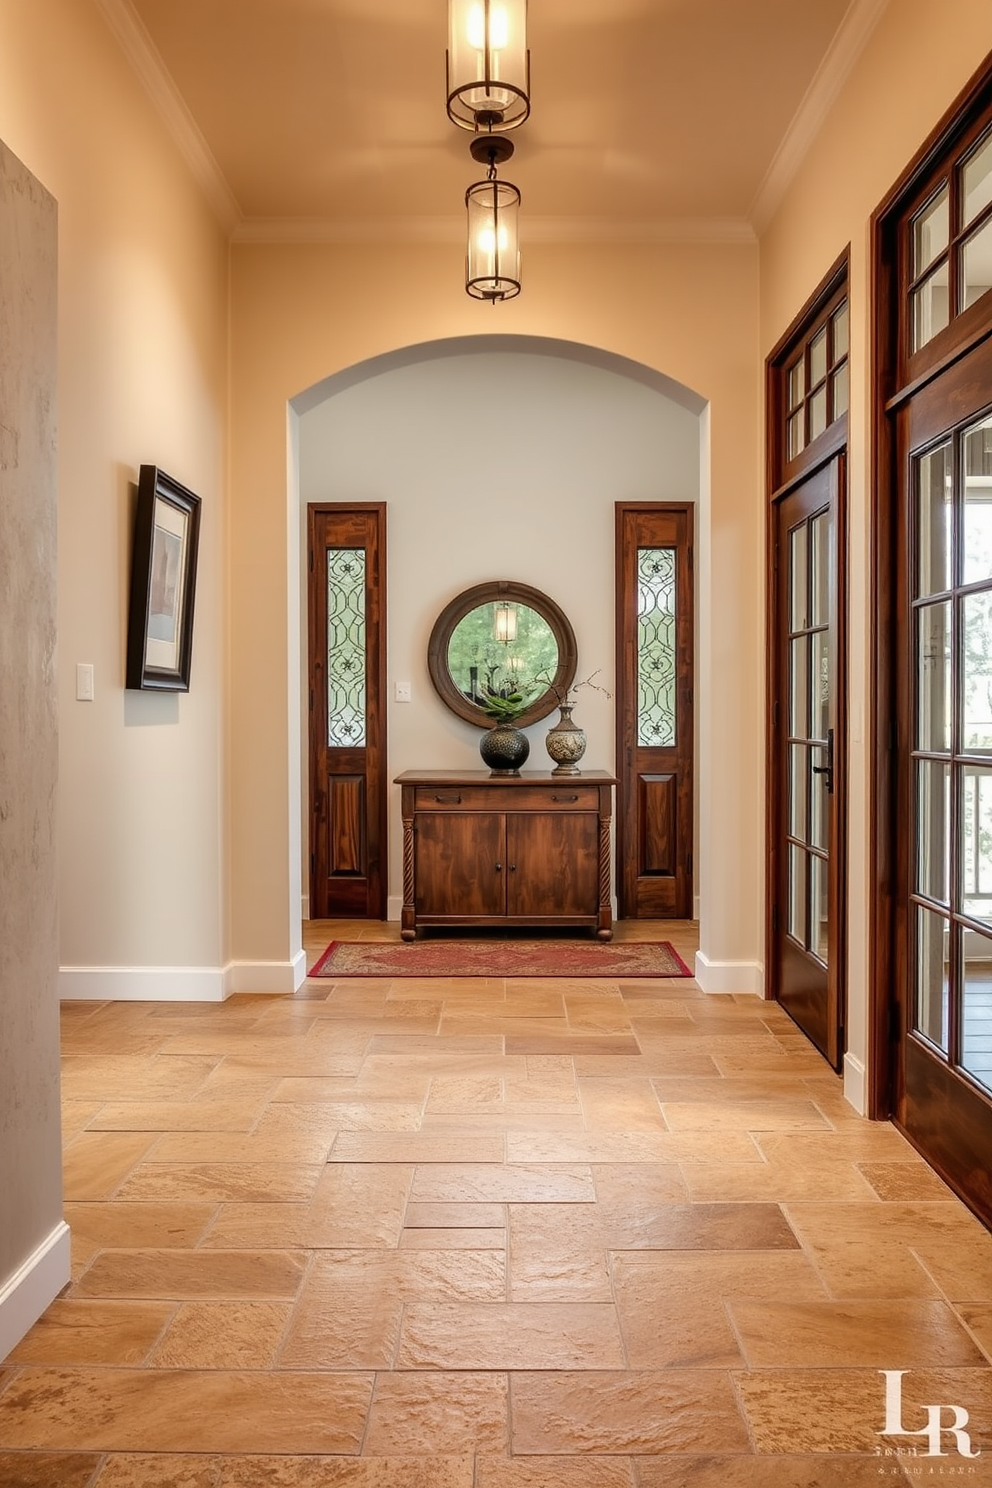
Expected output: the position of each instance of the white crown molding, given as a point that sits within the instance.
(141, 52)
(831, 75)
(533, 230)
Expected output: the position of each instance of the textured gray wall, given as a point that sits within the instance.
(30, 1140)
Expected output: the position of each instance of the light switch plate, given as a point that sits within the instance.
(84, 682)
(402, 693)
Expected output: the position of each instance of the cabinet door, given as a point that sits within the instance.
(460, 868)
(552, 864)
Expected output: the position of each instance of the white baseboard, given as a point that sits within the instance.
(394, 907)
(180, 983)
(730, 976)
(33, 1287)
(855, 1084)
(267, 976)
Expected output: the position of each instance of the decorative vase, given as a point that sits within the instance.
(504, 749)
(566, 743)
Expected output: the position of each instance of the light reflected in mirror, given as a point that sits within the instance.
(500, 649)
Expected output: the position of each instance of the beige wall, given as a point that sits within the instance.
(301, 313)
(916, 61)
(142, 378)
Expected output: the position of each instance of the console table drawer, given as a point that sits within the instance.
(507, 798)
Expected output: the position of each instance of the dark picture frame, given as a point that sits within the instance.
(163, 584)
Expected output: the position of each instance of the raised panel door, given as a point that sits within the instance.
(460, 866)
(552, 864)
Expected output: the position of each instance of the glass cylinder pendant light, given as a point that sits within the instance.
(505, 621)
(492, 265)
(488, 64)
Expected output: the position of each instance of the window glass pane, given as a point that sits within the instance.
(820, 535)
(839, 321)
(976, 181)
(817, 413)
(976, 1010)
(931, 311)
(977, 559)
(656, 647)
(345, 647)
(819, 911)
(934, 522)
(975, 278)
(798, 686)
(819, 827)
(798, 789)
(933, 829)
(975, 887)
(819, 686)
(797, 893)
(933, 943)
(818, 358)
(797, 434)
(930, 229)
(798, 583)
(797, 384)
(976, 643)
(935, 692)
(838, 384)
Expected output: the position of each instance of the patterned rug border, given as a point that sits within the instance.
(571, 958)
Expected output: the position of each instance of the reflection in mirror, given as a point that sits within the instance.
(499, 649)
(502, 639)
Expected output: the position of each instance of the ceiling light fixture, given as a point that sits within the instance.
(492, 264)
(488, 64)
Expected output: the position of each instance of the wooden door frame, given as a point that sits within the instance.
(376, 685)
(891, 384)
(626, 706)
(781, 480)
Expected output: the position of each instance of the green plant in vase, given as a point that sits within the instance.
(503, 747)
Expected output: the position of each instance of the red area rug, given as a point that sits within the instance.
(500, 958)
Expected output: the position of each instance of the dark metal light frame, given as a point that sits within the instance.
(492, 258)
(479, 96)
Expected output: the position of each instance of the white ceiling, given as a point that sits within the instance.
(650, 117)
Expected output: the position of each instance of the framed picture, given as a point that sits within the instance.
(163, 584)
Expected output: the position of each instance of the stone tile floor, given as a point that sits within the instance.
(491, 1234)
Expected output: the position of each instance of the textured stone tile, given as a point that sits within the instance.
(455, 1239)
(223, 1335)
(232, 1182)
(96, 1163)
(903, 1334)
(417, 1147)
(555, 1472)
(624, 1105)
(962, 1270)
(112, 1410)
(575, 1044)
(642, 1183)
(627, 1147)
(194, 1273)
(843, 1410)
(164, 1470)
(678, 1411)
(47, 1469)
(72, 1331)
(425, 1414)
(510, 1336)
(751, 1115)
(870, 1141)
(339, 1472)
(764, 1471)
(777, 1182)
(519, 1184)
(453, 1216)
(129, 1226)
(164, 1077)
(231, 1115)
(901, 1181)
(868, 1250)
(211, 1148)
(77, 1115)
(465, 1093)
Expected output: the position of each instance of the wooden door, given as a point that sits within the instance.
(654, 631)
(460, 863)
(943, 982)
(347, 675)
(807, 796)
(552, 864)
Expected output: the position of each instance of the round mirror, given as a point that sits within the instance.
(498, 639)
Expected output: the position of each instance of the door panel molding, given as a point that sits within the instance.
(348, 788)
(655, 793)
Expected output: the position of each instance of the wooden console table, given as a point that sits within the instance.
(532, 849)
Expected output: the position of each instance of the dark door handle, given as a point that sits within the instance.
(499, 867)
(828, 768)
(564, 798)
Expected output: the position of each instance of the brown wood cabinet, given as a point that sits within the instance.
(531, 849)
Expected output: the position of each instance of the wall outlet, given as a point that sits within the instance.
(402, 692)
(84, 682)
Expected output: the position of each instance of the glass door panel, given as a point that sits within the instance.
(932, 977)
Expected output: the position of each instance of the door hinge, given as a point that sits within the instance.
(690, 558)
(311, 560)
(688, 865)
(774, 715)
(774, 919)
(895, 1022)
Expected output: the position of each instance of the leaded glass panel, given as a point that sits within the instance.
(656, 647)
(346, 668)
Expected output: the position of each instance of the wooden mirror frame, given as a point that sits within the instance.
(488, 593)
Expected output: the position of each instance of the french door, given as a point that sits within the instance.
(347, 677)
(807, 774)
(943, 1075)
(654, 710)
